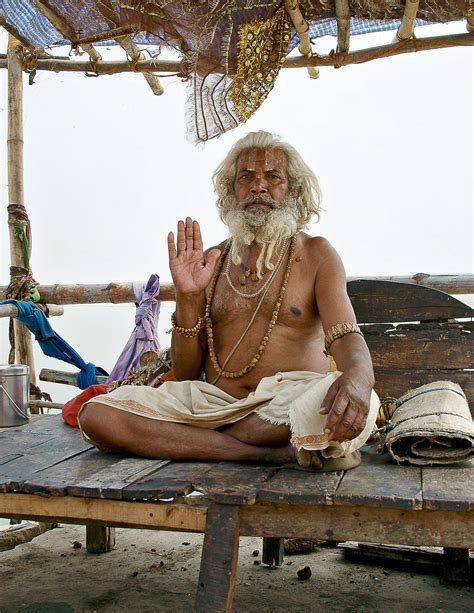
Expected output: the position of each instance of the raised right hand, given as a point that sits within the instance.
(190, 268)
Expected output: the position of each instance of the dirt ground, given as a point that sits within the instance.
(158, 571)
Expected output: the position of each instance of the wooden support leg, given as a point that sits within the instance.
(456, 565)
(272, 551)
(99, 539)
(219, 559)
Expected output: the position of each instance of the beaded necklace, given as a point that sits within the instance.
(226, 274)
(227, 374)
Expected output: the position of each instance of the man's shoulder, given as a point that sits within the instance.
(318, 246)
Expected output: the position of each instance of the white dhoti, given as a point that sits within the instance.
(289, 398)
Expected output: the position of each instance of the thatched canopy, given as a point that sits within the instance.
(230, 51)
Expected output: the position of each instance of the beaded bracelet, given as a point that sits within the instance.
(338, 331)
(187, 332)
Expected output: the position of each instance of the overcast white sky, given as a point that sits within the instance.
(108, 172)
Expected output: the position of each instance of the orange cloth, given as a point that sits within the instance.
(73, 406)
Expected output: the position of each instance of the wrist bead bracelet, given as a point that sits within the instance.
(187, 332)
(338, 331)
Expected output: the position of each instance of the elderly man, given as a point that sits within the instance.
(256, 319)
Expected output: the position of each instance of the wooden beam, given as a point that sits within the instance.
(302, 28)
(375, 53)
(181, 68)
(405, 31)
(60, 24)
(120, 293)
(23, 342)
(16, 34)
(63, 377)
(178, 67)
(74, 509)
(135, 56)
(343, 20)
(10, 310)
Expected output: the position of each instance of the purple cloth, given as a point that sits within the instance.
(144, 336)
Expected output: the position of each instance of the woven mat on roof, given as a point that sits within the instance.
(235, 47)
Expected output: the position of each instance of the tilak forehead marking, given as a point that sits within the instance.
(270, 159)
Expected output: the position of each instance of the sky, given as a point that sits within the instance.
(108, 172)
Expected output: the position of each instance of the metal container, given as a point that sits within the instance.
(14, 394)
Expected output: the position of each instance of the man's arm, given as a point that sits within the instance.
(192, 271)
(347, 402)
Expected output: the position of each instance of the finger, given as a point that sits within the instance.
(181, 241)
(171, 246)
(329, 398)
(336, 412)
(346, 429)
(197, 237)
(188, 231)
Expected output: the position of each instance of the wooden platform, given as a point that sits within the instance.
(48, 473)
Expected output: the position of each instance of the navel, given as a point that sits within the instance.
(295, 311)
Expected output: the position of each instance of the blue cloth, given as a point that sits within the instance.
(54, 345)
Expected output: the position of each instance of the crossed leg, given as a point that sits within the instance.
(249, 440)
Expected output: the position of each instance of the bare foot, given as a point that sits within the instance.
(282, 455)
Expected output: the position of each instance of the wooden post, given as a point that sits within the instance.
(99, 539)
(23, 344)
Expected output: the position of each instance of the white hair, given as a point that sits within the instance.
(303, 183)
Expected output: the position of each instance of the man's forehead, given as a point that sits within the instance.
(266, 159)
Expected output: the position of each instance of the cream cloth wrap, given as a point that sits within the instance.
(292, 398)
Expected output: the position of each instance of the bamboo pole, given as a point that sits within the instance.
(10, 310)
(121, 293)
(178, 67)
(405, 31)
(23, 343)
(343, 20)
(135, 56)
(302, 28)
(181, 67)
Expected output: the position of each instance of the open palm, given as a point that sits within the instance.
(190, 268)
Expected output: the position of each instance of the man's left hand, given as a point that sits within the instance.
(347, 405)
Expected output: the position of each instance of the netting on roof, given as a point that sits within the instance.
(235, 47)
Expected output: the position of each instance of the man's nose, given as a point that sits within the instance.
(259, 186)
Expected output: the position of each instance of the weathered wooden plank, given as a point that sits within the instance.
(299, 486)
(92, 474)
(397, 382)
(232, 483)
(99, 539)
(219, 560)
(360, 523)
(66, 378)
(110, 481)
(449, 487)
(424, 349)
(389, 301)
(16, 443)
(189, 517)
(379, 482)
(67, 444)
(176, 479)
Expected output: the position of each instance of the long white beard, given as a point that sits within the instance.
(268, 228)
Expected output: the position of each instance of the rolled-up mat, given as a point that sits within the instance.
(432, 424)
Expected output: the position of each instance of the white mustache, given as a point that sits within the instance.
(258, 198)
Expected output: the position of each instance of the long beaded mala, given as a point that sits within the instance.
(276, 311)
